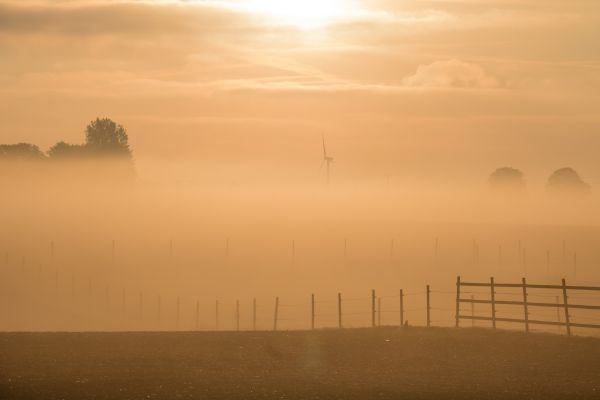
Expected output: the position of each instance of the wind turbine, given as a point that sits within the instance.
(327, 160)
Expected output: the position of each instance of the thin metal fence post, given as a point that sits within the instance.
(217, 314)
(401, 308)
(178, 313)
(428, 307)
(373, 308)
(237, 315)
(254, 314)
(158, 310)
(276, 313)
(197, 315)
(339, 310)
(312, 311)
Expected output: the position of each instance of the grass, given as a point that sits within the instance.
(383, 363)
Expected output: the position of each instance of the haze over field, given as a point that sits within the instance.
(241, 91)
(226, 105)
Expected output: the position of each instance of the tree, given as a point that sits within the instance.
(507, 178)
(106, 137)
(567, 180)
(20, 151)
(63, 151)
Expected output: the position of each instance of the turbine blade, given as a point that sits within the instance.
(324, 149)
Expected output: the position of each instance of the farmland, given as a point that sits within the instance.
(381, 363)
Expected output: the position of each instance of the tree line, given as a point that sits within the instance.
(103, 138)
(562, 180)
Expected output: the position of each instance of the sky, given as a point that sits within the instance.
(446, 90)
(227, 102)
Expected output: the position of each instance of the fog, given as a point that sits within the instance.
(227, 103)
(83, 250)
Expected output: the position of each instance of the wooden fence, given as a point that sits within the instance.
(89, 305)
(566, 306)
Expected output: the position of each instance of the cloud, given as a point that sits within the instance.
(124, 18)
(451, 74)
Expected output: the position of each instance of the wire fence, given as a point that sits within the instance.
(80, 303)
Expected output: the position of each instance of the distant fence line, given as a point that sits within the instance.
(313, 315)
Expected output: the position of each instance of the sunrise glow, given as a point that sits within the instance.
(302, 14)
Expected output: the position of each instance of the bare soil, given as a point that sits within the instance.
(382, 363)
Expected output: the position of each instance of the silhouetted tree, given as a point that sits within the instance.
(507, 178)
(106, 137)
(567, 180)
(20, 151)
(62, 150)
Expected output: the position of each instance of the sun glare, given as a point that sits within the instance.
(302, 13)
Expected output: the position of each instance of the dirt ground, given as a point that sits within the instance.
(382, 363)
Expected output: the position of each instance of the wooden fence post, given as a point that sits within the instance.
(525, 307)
(237, 315)
(428, 308)
(339, 310)
(276, 313)
(401, 308)
(217, 315)
(493, 298)
(373, 308)
(566, 304)
(457, 315)
(379, 311)
(312, 311)
(254, 314)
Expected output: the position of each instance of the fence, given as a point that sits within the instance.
(525, 303)
(89, 305)
(317, 313)
(374, 313)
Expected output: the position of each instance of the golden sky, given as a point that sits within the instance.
(393, 84)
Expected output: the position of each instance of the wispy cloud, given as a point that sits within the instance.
(451, 74)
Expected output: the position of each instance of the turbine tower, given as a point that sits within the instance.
(327, 160)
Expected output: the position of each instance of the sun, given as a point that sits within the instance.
(302, 13)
